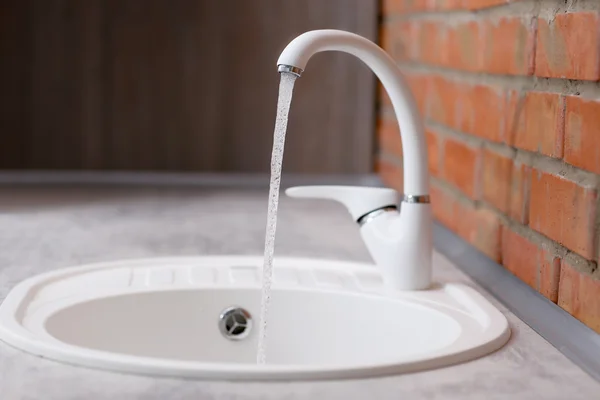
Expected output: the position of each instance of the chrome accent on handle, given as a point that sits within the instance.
(290, 69)
(371, 215)
(416, 199)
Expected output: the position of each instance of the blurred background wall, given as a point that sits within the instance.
(509, 91)
(186, 85)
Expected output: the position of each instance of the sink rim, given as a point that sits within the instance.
(17, 335)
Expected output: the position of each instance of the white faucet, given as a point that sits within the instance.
(399, 242)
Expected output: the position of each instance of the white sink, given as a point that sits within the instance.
(328, 319)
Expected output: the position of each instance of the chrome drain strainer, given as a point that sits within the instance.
(235, 323)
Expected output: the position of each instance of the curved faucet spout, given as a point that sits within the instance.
(296, 55)
(400, 243)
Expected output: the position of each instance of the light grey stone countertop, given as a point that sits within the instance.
(42, 229)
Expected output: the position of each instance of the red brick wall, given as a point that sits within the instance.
(511, 103)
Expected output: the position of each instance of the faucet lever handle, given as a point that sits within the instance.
(357, 199)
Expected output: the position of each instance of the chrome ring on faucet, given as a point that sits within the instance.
(371, 215)
(416, 199)
(290, 69)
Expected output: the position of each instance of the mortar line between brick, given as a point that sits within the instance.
(561, 136)
(581, 264)
(533, 50)
(570, 87)
(390, 158)
(543, 8)
(459, 195)
(515, 8)
(443, 130)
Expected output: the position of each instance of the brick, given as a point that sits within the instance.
(563, 211)
(399, 40)
(391, 173)
(514, 103)
(475, 109)
(441, 5)
(568, 46)
(462, 47)
(419, 86)
(433, 152)
(579, 295)
(520, 187)
(459, 165)
(539, 123)
(504, 46)
(480, 4)
(405, 6)
(401, 6)
(582, 133)
(508, 46)
(430, 44)
(532, 263)
(443, 206)
(496, 180)
(389, 137)
(479, 110)
(480, 227)
(441, 101)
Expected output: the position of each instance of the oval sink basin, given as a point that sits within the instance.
(198, 317)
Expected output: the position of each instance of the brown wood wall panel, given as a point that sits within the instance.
(15, 64)
(178, 85)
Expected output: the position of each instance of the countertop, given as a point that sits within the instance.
(45, 228)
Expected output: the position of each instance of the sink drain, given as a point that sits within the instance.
(235, 323)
